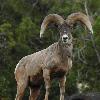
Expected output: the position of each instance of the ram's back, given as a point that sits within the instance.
(33, 64)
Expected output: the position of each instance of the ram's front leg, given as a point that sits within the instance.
(62, 87)
(46, 75)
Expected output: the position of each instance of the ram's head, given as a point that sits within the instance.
(65, 26)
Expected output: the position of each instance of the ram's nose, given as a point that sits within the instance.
(65, 38)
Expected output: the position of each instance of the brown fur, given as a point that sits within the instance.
(52, 62)
(29, 69)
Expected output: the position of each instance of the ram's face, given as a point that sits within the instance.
(65, 32)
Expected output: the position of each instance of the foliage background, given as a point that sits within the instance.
(20, 22)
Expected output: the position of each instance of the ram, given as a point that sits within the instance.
(52, 62)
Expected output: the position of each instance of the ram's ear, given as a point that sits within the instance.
(49, 19)
(74, 17)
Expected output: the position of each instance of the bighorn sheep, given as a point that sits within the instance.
(54, 61)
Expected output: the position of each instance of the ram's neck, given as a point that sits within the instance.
(65, 51)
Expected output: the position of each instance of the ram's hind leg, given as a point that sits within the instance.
(21, 86)
(34, 93)
(22, 82)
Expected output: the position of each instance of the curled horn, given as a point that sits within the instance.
(71, 19)
(48, 19)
